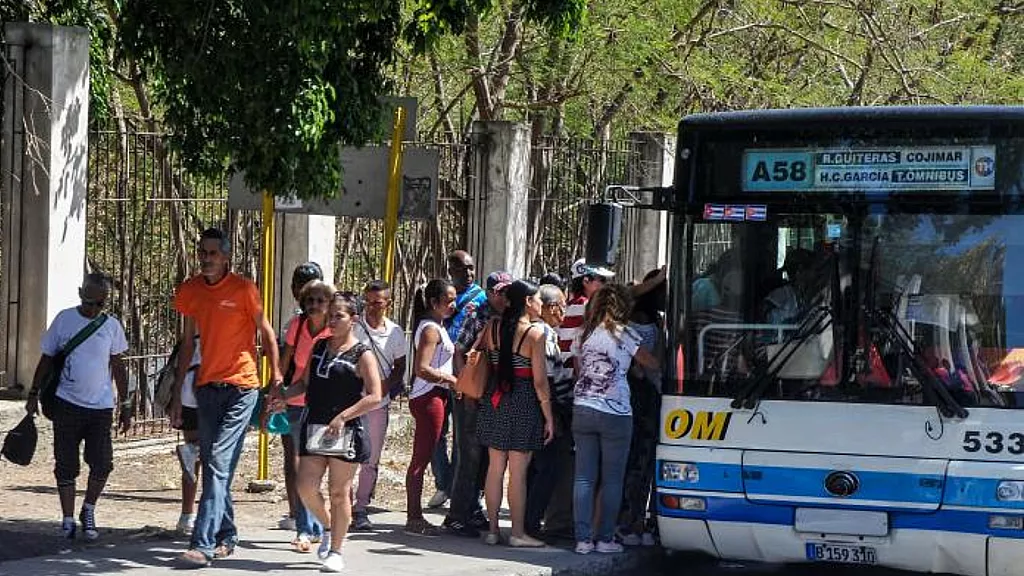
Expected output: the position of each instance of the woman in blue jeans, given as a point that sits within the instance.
(602, 422)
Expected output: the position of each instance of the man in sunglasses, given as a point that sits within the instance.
(227, 310)
(83, 411)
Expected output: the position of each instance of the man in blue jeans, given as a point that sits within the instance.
(226, 309)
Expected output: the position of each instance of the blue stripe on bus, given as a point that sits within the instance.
(810, 482)
(777, 481)
(783, 514)
(976, 492)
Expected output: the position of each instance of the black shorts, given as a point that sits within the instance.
(74, 425)
(189, 420)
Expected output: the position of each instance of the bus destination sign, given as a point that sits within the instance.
(898, 168)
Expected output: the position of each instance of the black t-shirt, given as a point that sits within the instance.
(334, 382)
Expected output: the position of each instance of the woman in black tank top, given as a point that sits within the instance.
(342, 384)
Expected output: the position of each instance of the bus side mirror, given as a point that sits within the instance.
(603, 230)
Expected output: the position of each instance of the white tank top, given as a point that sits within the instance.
(441, 361)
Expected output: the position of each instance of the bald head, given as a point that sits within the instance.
(461, 269)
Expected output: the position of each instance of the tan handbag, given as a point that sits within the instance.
(472, 381)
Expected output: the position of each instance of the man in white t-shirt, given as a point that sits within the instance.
(84, 407)
(388, 343)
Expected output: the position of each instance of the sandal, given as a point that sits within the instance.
(223, 551)
(302, 544)
(421, 527)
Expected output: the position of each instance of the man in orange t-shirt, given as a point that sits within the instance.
(226, 309)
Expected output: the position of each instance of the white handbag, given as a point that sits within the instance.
(320, 441)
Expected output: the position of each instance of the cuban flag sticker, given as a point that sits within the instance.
(757, 213)
(714, 212)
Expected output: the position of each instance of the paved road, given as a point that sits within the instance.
(687, 565)
(388, 552)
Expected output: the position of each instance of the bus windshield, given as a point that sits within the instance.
(941, 291)
(854, 273)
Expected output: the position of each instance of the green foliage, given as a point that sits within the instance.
(76, 13)
(432, 20)
(272, 87)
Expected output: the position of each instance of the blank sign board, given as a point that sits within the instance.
(364, 187)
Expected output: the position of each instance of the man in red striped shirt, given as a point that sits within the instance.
(586, 279)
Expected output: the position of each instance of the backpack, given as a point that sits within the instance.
(165, 380)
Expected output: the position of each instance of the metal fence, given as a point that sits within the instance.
(567, 175)
(144, 213)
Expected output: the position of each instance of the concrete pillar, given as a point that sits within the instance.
(300, 238)
(42, 185)
(657, 157)
(501, 184)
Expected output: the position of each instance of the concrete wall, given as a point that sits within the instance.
(501, 165)
(43, 185)
(300, 238)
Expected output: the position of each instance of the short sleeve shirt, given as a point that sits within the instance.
(224, 314)
(466, 304)
(387, 345)
(302, 349)
(86, 380)
(604, 360)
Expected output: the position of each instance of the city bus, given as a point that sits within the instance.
(846, 320)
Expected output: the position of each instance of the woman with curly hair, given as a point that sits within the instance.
(602, 423)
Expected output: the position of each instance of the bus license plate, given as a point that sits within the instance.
(841, 553)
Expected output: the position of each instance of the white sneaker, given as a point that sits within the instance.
(188, 455)
(648, 540)
(612, 547)
(325, 546)
(333, 563)
(286, 523)
(185, 523)
(585, 547)
(438, 499)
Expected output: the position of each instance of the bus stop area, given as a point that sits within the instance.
(141, 505)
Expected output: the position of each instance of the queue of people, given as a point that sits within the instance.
(569, 404)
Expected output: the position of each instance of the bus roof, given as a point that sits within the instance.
(864, 115)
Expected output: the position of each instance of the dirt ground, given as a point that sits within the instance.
(142, 499)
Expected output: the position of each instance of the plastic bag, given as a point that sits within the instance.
(20, 443)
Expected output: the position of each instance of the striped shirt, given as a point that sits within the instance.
(572, 323)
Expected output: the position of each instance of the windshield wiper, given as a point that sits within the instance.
(935, 390)
(817, 317)
(885, 319)
(816, 320)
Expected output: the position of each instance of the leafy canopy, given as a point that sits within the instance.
(276, 87)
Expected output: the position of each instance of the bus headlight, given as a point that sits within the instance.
(680, 472)
(1010, 491)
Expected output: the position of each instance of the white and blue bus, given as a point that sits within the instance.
(847, 321)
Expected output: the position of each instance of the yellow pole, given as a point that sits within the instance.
(267, 284)
(394, 192)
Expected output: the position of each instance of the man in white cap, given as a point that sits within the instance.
(586, 279)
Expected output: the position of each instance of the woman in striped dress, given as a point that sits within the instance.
(515, 411)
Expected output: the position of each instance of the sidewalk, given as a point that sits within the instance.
(387, 552)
